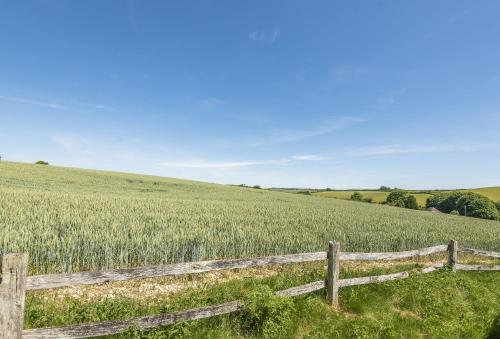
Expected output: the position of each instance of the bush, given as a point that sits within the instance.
(411, 202)
(397, 198)
(400, 198)
(455, 212)
(385, 189)
(478, 206)
(369, 200)
(256, 187)
(41, 162)
(267, 314)
(356, 196)
(497, 204)
(304, 192)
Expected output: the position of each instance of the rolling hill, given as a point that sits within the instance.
(73, 219)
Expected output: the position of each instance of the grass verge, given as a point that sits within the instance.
(442, 304)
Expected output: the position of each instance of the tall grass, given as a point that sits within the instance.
(71, 220)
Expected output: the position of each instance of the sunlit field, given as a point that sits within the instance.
(71, 220)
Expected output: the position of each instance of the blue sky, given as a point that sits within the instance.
(277, 93)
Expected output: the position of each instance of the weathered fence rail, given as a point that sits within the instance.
(96, 277)
(15, 283)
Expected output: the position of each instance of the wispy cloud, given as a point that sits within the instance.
(33, 102)
(288, 135)
(263, 36)
(329, 126)
(408, 149)
(389, 98)
(74, 106)
(210, 102)
(309, 157)
(238, 164)
(347, 72)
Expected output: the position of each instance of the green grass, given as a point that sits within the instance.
(71, 220)
(442, 304)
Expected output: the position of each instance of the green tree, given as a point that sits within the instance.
(397, 198)
(411, 202)
(356, 196)
(435, 200)
(497, 204)
(476, 205)
(41, 162)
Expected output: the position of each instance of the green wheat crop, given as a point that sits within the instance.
(71, 220)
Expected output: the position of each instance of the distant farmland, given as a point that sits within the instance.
(71, 220)
(379, 196)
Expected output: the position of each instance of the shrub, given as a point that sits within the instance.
(266, 314)
(356, 196)
(497, 204)
(397, 198)
(385, 189)
(435, 200)
(455, 212)
(304, 192)
(369, 200)
(477, 206)
(256, 187)
(41, 162)
(411, 202)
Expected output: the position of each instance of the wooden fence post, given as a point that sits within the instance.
(452, 254)
(12, 294)
(332, 279)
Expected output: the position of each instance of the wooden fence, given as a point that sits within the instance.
(15, 282)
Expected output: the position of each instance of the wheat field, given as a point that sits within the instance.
(72, 220)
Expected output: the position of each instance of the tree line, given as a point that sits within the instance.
(457, 202)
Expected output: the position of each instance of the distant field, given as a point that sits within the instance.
(377, 196)
(491, 192)
(71, 219)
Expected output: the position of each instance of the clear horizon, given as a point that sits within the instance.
(283, 94)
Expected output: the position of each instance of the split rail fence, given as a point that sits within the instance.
(15, 282)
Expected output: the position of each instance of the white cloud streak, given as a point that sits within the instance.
(28, 101)
(393, 149)
(239, 164)
(264, 36)
(74, 107)
(328, 127)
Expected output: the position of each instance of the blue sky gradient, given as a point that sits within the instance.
(282, 93)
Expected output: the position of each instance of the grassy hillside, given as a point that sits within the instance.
(70, 219)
